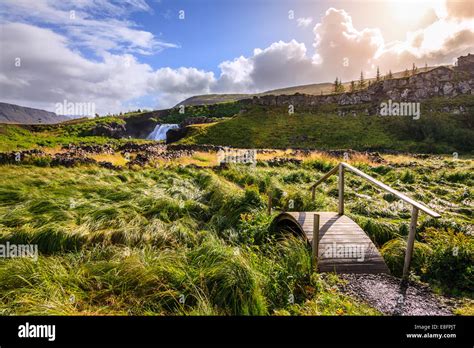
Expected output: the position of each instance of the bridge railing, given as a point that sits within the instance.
(416, 206)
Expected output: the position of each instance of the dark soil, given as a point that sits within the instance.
(387, 294)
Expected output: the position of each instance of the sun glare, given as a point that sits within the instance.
(411, 10)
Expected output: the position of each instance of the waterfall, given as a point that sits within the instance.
(159, 133)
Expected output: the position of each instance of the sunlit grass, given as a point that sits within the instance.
(116, 159)
(135, 242)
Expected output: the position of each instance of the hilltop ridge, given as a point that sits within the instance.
(322, 88)
(15, 114)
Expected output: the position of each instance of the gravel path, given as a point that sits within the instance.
(386, 294)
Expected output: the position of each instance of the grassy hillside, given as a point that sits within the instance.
(435, 131)
(20, 137)
(180, 240)
(207, 99)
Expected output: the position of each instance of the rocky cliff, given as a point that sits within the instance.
(439, 82)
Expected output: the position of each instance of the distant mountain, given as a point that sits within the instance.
(11, 113)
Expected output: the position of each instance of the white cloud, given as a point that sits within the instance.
(343, 50)
(53, 69)
(282, 64)
(76, 20)
(51, 72)
(174, 85)
(235, 76)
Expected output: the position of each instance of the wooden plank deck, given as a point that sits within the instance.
(343, 245)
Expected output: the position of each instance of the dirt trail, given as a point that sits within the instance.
(385, 293)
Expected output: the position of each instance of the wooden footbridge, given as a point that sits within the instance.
(338, 243)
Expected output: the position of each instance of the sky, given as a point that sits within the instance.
(151, 54)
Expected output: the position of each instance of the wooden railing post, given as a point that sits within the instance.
(313, 193)
(315, 243)
(341, 189)
(410, 242)
(269, 202)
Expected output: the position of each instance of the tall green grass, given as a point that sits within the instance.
(180, 240)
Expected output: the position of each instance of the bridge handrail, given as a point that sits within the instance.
(376, 183)
(416, 206)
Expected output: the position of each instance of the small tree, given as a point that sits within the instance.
(426, 66)
(406, 73)
(377, 77)
(414, 69)
(362, 83)
(97, 115)
(338, 86)
(390, 75)
(353, 86)
(341, 88)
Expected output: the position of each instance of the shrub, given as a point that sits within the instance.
(40, 161)
(459, 176)
(253, 228)
(393, 253)
(381, 169)
(407, 177)
(233, 207)
(320, 164)
(452, 260)
(297, 177)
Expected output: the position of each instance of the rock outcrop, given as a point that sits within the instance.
(438, 82)
(466, 63)
(111, 130)
(173, 135)
(196, 120)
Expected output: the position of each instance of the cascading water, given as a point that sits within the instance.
(159, 133)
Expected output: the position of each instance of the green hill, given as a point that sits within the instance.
(207, 99)
(272, 127)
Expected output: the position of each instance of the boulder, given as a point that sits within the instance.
(111, 130)
(173, 135)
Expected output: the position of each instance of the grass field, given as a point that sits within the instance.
(19, 137)
(175, 240)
